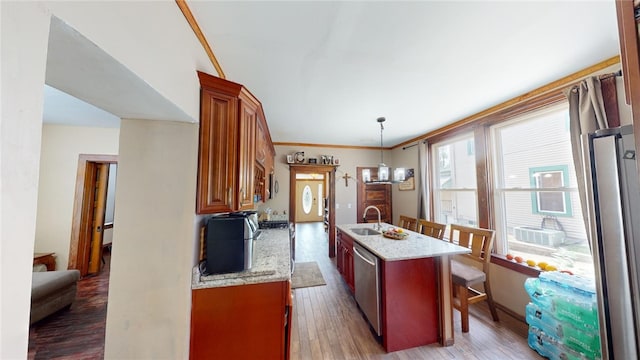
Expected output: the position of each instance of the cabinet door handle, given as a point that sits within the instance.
(229, 196)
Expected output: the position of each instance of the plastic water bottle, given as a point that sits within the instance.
(540, 296)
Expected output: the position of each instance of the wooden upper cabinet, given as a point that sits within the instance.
(265, 154)
(227, 152)
(217, 153)
(247, 152)
(261, 143)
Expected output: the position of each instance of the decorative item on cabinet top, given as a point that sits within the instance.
(299, 158)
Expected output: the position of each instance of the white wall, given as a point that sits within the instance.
(161, 50)
(61, 146)
(149, 303)
(150, 38)
(23, 32)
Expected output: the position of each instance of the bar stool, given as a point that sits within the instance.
(408, 223)
(464, 277)
(432, 229)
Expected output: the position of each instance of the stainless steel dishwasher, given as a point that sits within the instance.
(367, 284)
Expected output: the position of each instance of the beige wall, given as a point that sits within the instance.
(346, 196)
(150, 292)
(61, 146)
(405, 202)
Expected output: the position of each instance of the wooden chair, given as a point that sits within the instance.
(432, 229)
(408, 223)
(480, 241)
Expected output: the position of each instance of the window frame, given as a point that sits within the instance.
(542, 98)
(566, 195)
(468, 137)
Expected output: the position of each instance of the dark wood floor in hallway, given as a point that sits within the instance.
(328, 325)
(77, 333)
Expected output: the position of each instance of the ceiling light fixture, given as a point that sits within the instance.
(383, 169)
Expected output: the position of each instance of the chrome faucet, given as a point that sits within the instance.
(364, 215)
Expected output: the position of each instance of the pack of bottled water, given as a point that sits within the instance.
(563, 314)
(550, 348)
(570, 298)
(582, 340)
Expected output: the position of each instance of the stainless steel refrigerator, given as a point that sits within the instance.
(613, 194)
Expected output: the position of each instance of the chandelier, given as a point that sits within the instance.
(383, 169)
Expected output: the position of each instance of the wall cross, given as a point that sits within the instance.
(346, 178)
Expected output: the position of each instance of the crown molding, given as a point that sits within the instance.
(182, 4)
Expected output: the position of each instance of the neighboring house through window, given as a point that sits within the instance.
(556, 203)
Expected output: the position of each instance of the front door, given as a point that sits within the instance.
(309, 196)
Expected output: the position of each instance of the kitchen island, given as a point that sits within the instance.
(415, 283)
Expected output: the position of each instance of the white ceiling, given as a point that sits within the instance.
(324, 71)
(63, 109)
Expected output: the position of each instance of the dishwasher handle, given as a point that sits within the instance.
(355, 250)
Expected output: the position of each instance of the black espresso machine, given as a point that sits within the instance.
(228, 243)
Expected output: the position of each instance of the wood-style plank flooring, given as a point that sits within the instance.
(326, 322)
(328, 325)
(77, 333)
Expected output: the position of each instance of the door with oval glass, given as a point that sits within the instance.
(309, 195)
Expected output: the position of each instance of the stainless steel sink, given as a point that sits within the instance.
(365, 231)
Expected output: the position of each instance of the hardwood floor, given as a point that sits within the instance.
(328, 325)
(326, 322)
(77, 333)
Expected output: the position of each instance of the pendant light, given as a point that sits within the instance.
(383, 169)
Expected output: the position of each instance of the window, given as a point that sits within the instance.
(455, 186)
(550, 202)
(535, 190)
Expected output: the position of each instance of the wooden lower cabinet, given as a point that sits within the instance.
(410, 303)
(241, 322)
(344, 258)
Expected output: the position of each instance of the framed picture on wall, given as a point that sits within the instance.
(409, 182)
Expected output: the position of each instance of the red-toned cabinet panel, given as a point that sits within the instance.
(344, 259)
(240, 322)
(410, 312)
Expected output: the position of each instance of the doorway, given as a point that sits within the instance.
(92, 222)
(310, 198)
(305, 173)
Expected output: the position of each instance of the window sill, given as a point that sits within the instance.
(524, 269)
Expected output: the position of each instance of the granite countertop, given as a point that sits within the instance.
(271, 262)
(415, 246)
